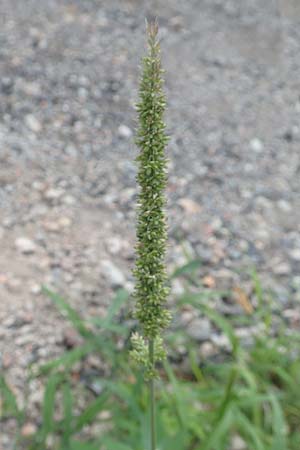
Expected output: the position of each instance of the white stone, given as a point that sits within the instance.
(25, 245)
(69, 200)
(238, 443)
(284, 205)
(114, 245)
(124, 131)
(221, 341)
(38, 185)
(53, 194)
(256, 145)
(35, 289)
(64, 222)
(295, 254)
(32, 123)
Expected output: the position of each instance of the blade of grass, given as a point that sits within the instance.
(9, 402)
(120, 298)
(68, 359)
(67, 401)
(215, 439)
(91, 412)
(187, 269)
(248, 430)
(48, 407)
(71, 314)
(111, 444)
(279, 426)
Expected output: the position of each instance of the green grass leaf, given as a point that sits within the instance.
(250, 432)
(120, 298)
(187, 269)
(67, 400)
(215, 439)
(91, 412)
(69, 358)
(225, 326)
(70, 313)
(112, 444)
(279, 426)
(8, 403)
(77, 445)
(48, 407)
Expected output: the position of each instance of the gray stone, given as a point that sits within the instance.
(221, 341)
(199, 329)
(177, 287)
(284, 206)
(114, 245)
(282, 268)
(295, 254)
(112, 273)
(207, 350)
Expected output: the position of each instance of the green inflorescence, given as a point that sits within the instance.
(150, 272)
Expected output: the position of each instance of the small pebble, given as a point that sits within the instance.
(25, 245)
(124, 131)
(69, 200)
(189, 205)
(35, 289)
(112, 273)
(199, 329)
(284, 206)
(38, 185)
(207, 350)
(282, 268)
(295, 254)
(32, 123)
(28, 429)
(237, 443)
(256, 145)
(53, 194)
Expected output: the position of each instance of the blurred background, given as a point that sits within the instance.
(69, 74)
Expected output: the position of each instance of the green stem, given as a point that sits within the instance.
(152, 399)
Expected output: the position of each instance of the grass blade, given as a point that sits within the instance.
(71, 314)
(48, 408)
(8, 403)
(187, 269)
(279, 426)
(91, 412)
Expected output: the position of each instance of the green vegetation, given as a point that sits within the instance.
(250, 393)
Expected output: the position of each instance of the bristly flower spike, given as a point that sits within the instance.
(150, 271)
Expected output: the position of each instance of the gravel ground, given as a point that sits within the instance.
(68, 83)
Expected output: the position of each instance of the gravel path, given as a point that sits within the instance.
(68, 81)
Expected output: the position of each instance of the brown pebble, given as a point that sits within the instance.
(28, 429)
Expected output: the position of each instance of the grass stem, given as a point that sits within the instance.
(152, 399)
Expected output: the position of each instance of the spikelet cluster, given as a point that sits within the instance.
(150, 272)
